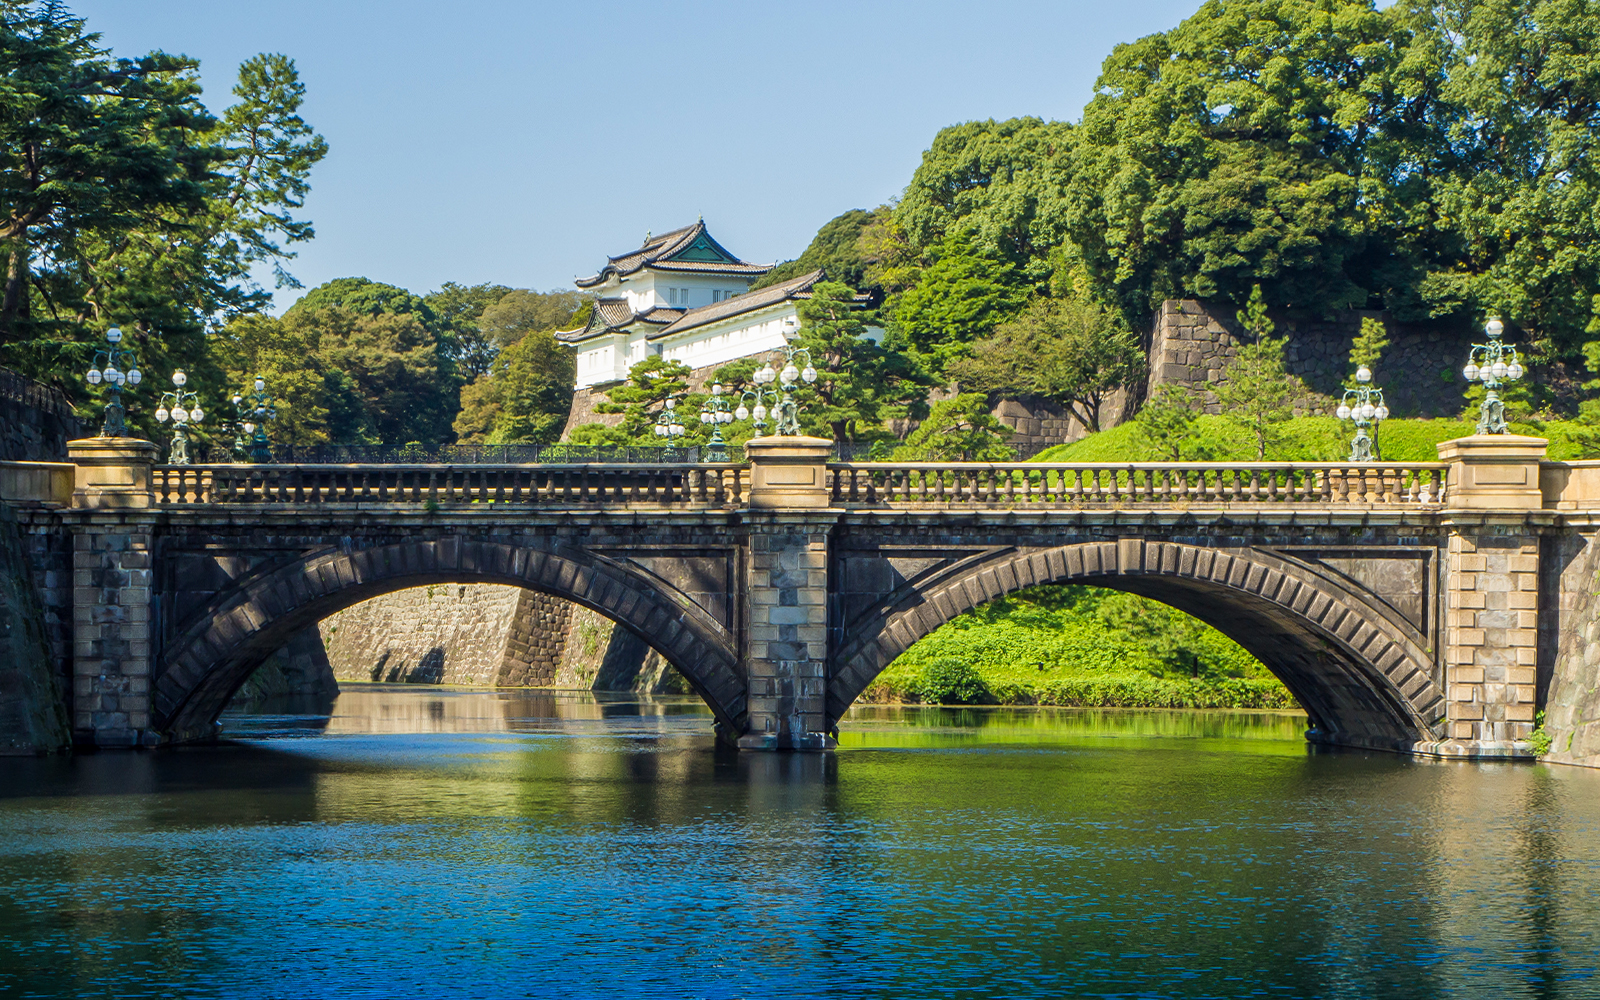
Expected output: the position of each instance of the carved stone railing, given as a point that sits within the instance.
(705, 485)
(1148, 483)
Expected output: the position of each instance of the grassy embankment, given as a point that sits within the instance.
(1092, 647)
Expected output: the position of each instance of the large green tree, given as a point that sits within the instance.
(457, 310)
(961, 297)
(127, 203)
(1001, 183)
(1520, 182)
(530, 391)
(1236, 149)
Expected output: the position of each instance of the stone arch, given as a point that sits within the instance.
(1363, 674)
(209, 658)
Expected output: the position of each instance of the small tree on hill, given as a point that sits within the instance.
(1259, 392)
(1072, 353)
(1166, 425)
(960, 429)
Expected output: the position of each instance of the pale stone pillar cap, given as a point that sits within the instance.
(775, 447)
(1494, 472)
(112, 472)
(1493, 447)
(788, 472)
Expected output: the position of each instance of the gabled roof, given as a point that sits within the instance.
(688, 249)
(611, 315)
(795, 288)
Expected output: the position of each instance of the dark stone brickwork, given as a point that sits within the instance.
(1193, 343)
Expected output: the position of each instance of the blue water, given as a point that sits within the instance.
(444, 844)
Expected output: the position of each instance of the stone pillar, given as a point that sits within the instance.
(111, 591)
(1493, 516)
(786, 644)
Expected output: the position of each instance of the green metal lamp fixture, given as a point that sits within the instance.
(788, 379)
(1364, 405)
(1493, 364)
(114, 367)
(716, 410)
(253, 413)
(185, 410)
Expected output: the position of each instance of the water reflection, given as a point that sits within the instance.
(464, 843)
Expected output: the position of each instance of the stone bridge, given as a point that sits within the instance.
(1429, 608)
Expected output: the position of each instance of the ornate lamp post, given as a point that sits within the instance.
(667, 423)
(115, 367)
(716, 411)
(1492, 363)
(1364, 405)
(253, 413)
(788, 413)
(185, 410)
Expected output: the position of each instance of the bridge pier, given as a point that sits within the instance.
(112, 524)
(786, 578)
(1494, 521)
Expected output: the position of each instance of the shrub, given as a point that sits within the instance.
(949, 681)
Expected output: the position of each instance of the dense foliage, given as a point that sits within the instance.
(1073, 645)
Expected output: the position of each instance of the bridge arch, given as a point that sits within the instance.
(211, 656)
(1363, 673)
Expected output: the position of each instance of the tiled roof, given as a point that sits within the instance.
(611, 315)
(795, 288)
(659, 251)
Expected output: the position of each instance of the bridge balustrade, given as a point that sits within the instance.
(1151, 483)
(706, 485)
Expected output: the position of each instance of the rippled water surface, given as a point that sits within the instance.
(440, 844)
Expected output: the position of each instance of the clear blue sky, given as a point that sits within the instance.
(522, 142)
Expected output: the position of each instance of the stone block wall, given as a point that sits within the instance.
(33, 709)
(788, 632)
(111, 638)
(485, 635)
(535, 641)
(1569, 662)
(298, 670)
(1192, 344)
(36, 422)
(441, 634)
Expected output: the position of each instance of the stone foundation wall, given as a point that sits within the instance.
(483, 635)
(1193, 343)
(443, 634)
(535, 641)
(298, 670)
(33, 709)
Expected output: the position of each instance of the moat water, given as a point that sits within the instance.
(456, 844)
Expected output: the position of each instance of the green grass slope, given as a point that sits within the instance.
(1307, 439)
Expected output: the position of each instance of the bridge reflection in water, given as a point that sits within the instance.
(1401, 603)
